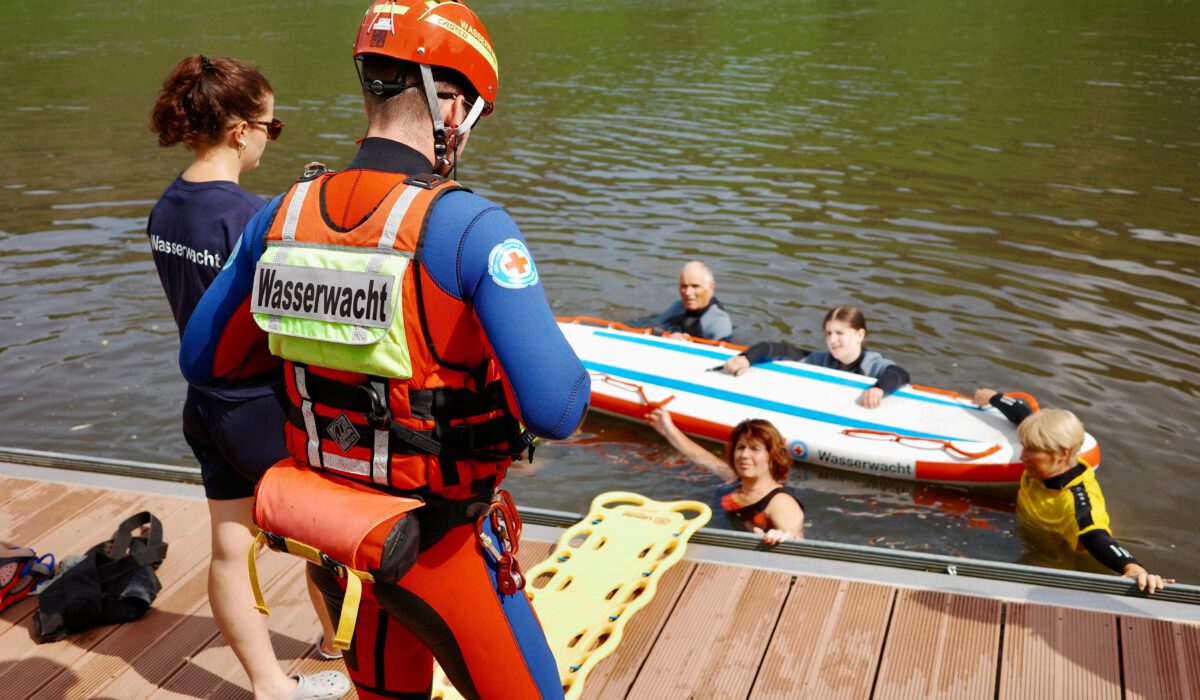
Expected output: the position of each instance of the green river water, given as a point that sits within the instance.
(1008, 189)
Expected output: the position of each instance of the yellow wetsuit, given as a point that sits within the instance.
(1070, 504)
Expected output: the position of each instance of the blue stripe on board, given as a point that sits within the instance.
(776, 367)
(754, 402)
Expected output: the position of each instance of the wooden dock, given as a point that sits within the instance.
(714, 630)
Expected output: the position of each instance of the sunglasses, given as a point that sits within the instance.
(274, 128)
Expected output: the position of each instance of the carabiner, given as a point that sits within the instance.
(506, 521)
(507, 526)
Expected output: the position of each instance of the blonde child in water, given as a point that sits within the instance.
(845, 331)
(1059, 492)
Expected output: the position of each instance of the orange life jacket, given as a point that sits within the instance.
(449, 430)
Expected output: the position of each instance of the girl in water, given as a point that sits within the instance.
(845, 331)
(223, 110)
(757, 461)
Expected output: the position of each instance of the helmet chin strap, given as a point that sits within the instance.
(441, 152)
(472, 117)
(445, 142)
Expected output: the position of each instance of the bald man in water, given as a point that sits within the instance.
(697, 313)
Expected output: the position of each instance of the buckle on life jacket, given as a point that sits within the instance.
(524, 443)
(426, 181)
(312, 171)
(456, 441)
(461, 437)
(275, 542)
(331, 564)
(379, 416)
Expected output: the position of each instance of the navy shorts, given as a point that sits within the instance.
(234, 441)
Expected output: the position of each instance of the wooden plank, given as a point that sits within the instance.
(94, 654)
(72, 533)
(613, 676)
(940, 646)
(533, 552)
(10, 489)
(35, 511)
(213, 671)
(1054, 652)
(827, 642)
(1161, 659)
(705, 634)
(156, 649)
(294, 630)
(715, 639)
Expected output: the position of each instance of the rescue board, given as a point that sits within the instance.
(917, 434)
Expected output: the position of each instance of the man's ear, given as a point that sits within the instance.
(454, 111)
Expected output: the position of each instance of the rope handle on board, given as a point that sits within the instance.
(944, 392)
(1028, 398)
(650, 405)
(896, 437)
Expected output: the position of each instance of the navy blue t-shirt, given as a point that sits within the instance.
(192, 231)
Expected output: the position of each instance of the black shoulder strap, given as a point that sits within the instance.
(766, 500)
(154, 550)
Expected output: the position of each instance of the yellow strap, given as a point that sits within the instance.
(260, 604)
(303, 550)
(350, 602)
(345, 628)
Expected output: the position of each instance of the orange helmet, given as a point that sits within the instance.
(445, 34)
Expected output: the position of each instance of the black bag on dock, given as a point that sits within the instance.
(115, 582)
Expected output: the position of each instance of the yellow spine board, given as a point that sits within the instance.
(603, 570)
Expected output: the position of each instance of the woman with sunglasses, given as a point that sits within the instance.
(223, 111)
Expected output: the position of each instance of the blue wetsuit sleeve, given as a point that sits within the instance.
(220, 341)
(549, 383)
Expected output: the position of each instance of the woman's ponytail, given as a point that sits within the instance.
(202, 95)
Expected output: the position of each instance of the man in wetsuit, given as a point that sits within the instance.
(697, 313)
(420, 354)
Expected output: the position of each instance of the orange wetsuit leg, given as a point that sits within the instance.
(448, 606)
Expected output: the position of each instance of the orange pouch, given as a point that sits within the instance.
(359, 533)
